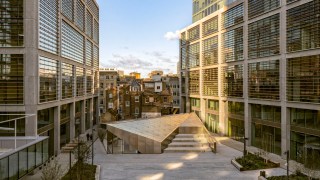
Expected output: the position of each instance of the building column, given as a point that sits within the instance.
(72, 120)
(285, 121)
(31, 122)
(83, 117)
(223, 117)
(91, 112)
(56, 120)
(247, 117)
(96, 105)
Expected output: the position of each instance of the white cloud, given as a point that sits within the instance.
(172, 35)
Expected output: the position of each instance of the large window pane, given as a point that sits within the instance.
(303, 79)
(194, 33)
(210, 82)
(11, 24)
(45, 117)
(258, 7)
(263, 37)
(72, 45)
(49, 79)
(67, 78)
(210, 51)
(194, 82)
(264, 80)
(48, 26)
(80, 81)
(194, 55)
(232, 81)
(11, 78)
(232, 45)
(233, 16)
(303, 27)
(210, 26)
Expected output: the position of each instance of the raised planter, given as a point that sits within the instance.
(261, 178)
(237, 165)
(253, 162)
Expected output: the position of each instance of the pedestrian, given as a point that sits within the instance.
(91, 137)
(88, 136)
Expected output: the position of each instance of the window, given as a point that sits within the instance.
(210, 26)
(263, 37)
(232, 45)
(303, 74)
(264, 80)
(79, 17)
(210, 82)
(88, 53)
(158, 87)
(89, 24)
(80, 81)
(89, 76)
(48, 26)
(213, 105)
(194, 33)
(194, 82)
(11, 78)
(303, 27)
(233, 16)
(11, 24)
(136, 110)
(136, 99)
(210, 51)
(67, 80)
(194, 55)
(258, 7)
(67, 9)
(165, 99)
(147, 100)
(195, 102)
(127, 103)
(72, 43)
(232, 79)
(49, 79)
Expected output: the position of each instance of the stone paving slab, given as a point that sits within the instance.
(176, 166)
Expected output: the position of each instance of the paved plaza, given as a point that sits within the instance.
(174, 166)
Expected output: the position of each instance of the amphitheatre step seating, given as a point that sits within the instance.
(188, 143)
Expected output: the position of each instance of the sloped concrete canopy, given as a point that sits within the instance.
(151, 135)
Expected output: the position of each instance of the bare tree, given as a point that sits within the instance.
(52, 171)
(82, 155)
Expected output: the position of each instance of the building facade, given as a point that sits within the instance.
(108, 78)
(251, 69)
(49, 60)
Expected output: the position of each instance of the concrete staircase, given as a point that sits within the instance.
(188, 143)
(69, 147)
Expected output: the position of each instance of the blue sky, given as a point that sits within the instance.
(139, 35)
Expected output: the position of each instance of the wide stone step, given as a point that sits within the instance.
(188, 144)
(190, 136)
(189, 140)
(187, 149)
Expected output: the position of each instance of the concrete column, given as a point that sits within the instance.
(247, 119)
(31, 122)
(83, 117)
(56, 119)
(285, 121)
(30, 63)
(91, 112)
(223, 117)
(96, 105)
(72, 120)
(203, 106)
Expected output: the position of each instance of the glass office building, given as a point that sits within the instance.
(49, 60)
(258, 61)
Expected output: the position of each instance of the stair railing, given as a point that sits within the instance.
(211, 140)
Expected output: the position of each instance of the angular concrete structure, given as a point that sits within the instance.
(152, 136)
